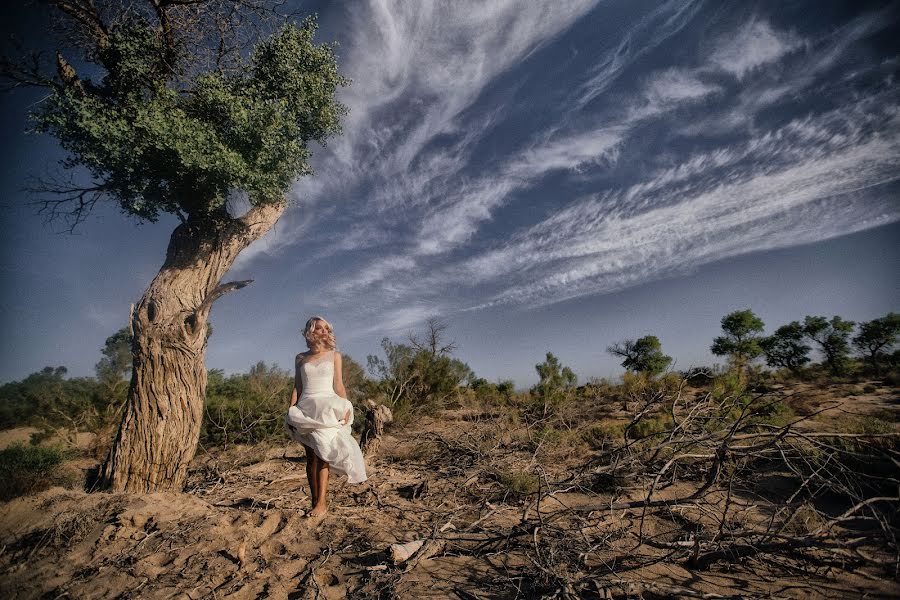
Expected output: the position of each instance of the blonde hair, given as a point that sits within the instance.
(318, 332)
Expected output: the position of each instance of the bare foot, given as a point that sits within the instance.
(318, 510)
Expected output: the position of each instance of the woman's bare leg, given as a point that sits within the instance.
(311, 475)
(322, 488)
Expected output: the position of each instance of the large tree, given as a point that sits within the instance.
(832, 338)
(643, 355)
(179, 107)
(785, 348)
(876, 338)
(741, 339)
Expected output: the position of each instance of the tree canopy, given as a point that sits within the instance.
(741, 339)
(877, 337)
(156, 142)
(833, 340)
(643, 355)
(786, 348)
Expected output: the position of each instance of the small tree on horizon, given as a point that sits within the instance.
(741, 342)
(643, 355)
(115, 365)
(785, 348)
(832, 338)
(555, 380)
(876, 338)
(421, 376)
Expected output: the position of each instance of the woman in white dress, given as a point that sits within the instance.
(320, 415)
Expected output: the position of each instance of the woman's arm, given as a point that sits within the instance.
(339, 383)
(298, 382)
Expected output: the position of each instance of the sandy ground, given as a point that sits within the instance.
(240, 531)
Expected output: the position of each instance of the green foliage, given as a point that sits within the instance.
(729, 384)
(487, 393)
(411, 379)
(47, 398)
(556, 383)
(116, 362)
(785, 348)
(554, 377)
(876, 339)
(26, 469)
(160, 144)
(643, 355)
(740, 342)
(520, 483)
(604, 435)
(355, 380)
(868, 425)
(832, 337)
(649, 426)
(246, 408)
(777, 413)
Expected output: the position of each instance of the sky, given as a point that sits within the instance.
(542, 176)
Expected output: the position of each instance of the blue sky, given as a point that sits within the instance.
(541, 175)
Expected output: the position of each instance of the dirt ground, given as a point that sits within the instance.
(240, 530)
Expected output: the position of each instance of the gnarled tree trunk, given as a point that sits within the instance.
(160, 426)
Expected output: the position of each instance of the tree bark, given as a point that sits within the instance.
(157, 437)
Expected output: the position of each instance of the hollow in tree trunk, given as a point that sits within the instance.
(160, 426)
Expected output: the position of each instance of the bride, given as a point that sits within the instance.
(320, 415)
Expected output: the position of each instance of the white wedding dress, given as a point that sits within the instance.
(317, 420)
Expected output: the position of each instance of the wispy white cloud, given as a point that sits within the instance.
(754, 44)
(802, 183)
(408, 190)
(647, 34)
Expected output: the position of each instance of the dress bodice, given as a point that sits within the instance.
(317, 376)
(321, 420)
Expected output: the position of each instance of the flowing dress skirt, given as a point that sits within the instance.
(317, 421)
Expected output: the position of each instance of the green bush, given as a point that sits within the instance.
(777, 413)
(729, 384)
(27, 469)
(602, 436)
(520, 483)
(648, 426)
(246, 408)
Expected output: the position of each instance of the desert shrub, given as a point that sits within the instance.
(869, 389)
(554, 439)
(641, 386)
(520, 483)
(555, 387)
(420, 377)
(603, 435)
(697, 377)
(868, 425)
(41, 435)
(597, 389)
(26, 469)
(246, 408)
(649, 426)
(482, 392)
(730, 383)
(892, 378)
(778, 413)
